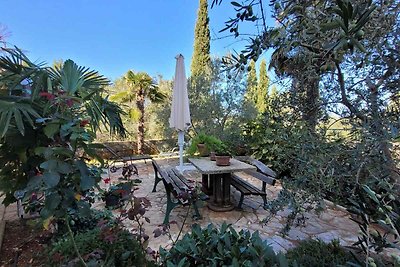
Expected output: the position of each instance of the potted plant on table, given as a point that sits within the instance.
(203, 144)
(222, 155)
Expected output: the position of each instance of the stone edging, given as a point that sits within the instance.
(335, 206)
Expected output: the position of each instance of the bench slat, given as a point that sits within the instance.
(178, 182)
(269, 180)
(239, 187)
(264, 168)
(163, 173)
(136, 157)
(251, 189)
(183, 178)
(260, 166)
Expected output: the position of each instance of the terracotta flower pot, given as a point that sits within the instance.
(212, 156)
(203, 150)
(222, 160)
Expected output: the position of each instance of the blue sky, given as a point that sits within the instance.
(112, 36)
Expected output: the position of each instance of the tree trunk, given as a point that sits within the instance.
(377, 130)
(307, 97)
(140, 126)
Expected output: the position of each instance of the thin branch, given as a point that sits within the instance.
(345, 100)
(74, 243)
(263, 16)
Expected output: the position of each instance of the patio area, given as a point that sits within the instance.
(331, 224)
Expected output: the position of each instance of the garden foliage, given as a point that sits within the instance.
(222, 246)
(47, 126)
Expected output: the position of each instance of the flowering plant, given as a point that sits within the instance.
(46, 136)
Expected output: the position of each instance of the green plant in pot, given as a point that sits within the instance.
(203, 144)
(222, 155)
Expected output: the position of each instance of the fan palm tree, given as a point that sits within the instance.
(139, 87)
(44, 107)
(21, 104)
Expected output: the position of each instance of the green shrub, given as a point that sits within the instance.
(317, 253)
(107, 245)
(212, 143)
(79, 223)
(221, 247)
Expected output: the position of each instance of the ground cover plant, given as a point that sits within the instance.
(106, 245)
(212, 246)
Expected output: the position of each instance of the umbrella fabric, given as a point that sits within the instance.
(180, 113)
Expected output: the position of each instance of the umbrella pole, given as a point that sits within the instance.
(181, 140)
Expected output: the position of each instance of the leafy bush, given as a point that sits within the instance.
(47, 134)
(317, 253)
(211, 142)
(107, 245)
(80, 224)
(377, 207)
(221, 247)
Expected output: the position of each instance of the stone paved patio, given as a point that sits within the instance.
(331, 224)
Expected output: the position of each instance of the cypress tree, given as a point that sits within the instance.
(274, 92)
(251, 88)
(262, 89)
(201, 60)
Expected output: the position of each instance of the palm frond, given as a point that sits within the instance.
(123, 97)
(17, 68)
(15, 114)
(106, 113)
(155, 95)
(73, 78)
(112, 112)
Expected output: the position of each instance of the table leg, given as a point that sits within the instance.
(221, 193)
(206, 185)
(226, 189)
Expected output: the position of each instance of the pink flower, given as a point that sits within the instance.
(69, 102)
(47, 95)
(84, 123)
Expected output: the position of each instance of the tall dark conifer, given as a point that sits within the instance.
(251, 88)
(262, 90)
(201, 55)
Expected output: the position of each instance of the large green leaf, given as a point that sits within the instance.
(51, 129)
(49, 165)
(51, 179)
(64, 167)
(52, 201)
(87, 182)
(73, 78)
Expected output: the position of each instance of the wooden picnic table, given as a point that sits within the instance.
(220, 177)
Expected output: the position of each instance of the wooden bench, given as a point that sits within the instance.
(178, 189)
(117, 156)
(263, 173)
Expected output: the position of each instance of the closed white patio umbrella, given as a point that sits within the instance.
(180, 112)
